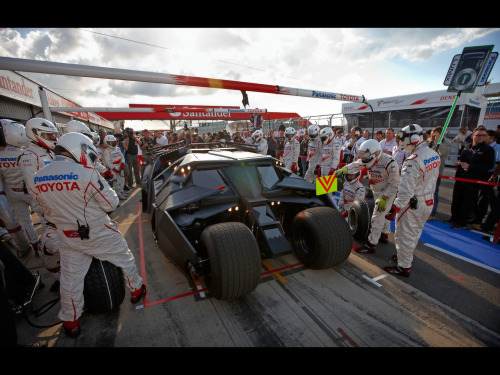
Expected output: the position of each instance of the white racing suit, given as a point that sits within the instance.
(261, 146)
(32, 160)
(49, 248)
(384, 180)
(351, 191)
(291, 151)
(17, 194)
(115, 162)
(314, 155)
(331, 158)
(418, 178)
(70, 195)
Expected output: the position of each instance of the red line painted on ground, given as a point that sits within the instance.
(205, 289)
(346, 337)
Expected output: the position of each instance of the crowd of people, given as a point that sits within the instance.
(73, 181)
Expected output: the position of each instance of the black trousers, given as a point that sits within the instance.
(486, 198)
(465, 196)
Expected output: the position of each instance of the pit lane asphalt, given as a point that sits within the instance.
(447, 302)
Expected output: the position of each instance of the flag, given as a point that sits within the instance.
(245, 98)
(326, 184)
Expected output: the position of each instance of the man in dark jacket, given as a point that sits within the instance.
(304, 141)
(473, 164)
(131, 146)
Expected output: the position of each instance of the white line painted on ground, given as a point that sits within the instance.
(463, 258)
(372, 281)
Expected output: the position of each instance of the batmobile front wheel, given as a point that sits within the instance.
(234, 257)
(321, 237)
(104, 287)
(360, 218)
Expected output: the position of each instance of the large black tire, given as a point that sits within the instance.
(321, 237)
(104, 287)
(360, 218)
(234, 256)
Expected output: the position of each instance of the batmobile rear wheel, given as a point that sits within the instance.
(234, 256)
(360, 218)
(104, 287)
(321, 237)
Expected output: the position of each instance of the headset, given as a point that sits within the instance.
(413, 134)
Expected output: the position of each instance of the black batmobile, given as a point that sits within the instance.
(219, 209)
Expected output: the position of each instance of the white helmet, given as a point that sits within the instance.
(78, 127)
(42, 132)
(313, 131)
(95, 138)
(14, 133)
(290, 133)
(410, 136)
(257, 135)
(110, 141)
(326, 135)
(370, 152)
(352, 178)
(79, 146)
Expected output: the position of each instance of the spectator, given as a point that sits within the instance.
(486, 192)
(300, 131)
(139, 153)
(131, 145)
(346, 152)
(355, 142)
(339, 137)
(196, 139)
(399, 154)
(304, 140)
(366, 134)
(463, 133)
(489, 224)
(160, 139)
(119, 141)
(443, 149)
(175, 137)
(237, 138)
(389, 142)
(271, 144)
(474, 164)
(147, 141)
(257, 122)
(280, 141)
(281, 128)
(379, 135)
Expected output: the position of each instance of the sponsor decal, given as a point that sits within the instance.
(56, 177)
(427, 161)
(447, 97)
(18, 87)
(8, 162)
(326, 95)
(422, 101)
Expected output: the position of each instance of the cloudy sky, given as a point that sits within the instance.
(376, 63)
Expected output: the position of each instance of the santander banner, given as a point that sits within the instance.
(18, 87)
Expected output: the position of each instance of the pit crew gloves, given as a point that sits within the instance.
(392, 213)
(342, 170)
(381, 202)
